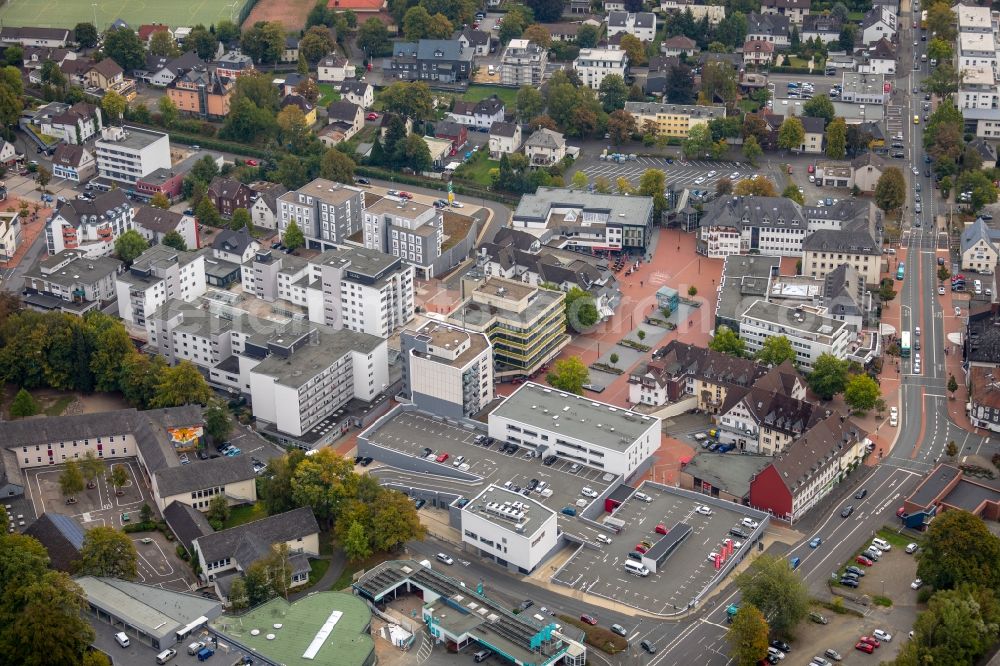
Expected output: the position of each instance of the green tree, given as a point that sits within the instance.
(613, 93)
(168, 111)
(160, 199)
(419, 24)
(775, 351)
(161, 43)
(325, 482)
(227, 32)
(581, 312)
(653, 183)
(140, 377)
(836, 139)
(394, 522)
(146, 513)
(940, 50)
(173, 239)
(241, 218)
(238, 598)
(124, 47)
(792, 192)
(264, 42)
(530, 103)
(726, 341)
(202, 42)
(698, 142)
(218, 425)
(373, 39)
(293, 238)
(747, 636)
(952, 385)
(109, 553)
(24, 404)
(92, 467)
(952, 449)
(207, 214)
(316, 43)
(218, 511)
(579, 180)
(692, 291)
(337, 166)
(43, 620)
(291, 172)
(113, 105)
(411, 99)
(770, 584)
(819, 107)
(890, 190)
(182, 385)
(85, 35)
(130, 245)
(613, 359)
(982, 188)
(791, 134)
(355, 544)
(958, 549)
(417, 154)
(569, 374)
(71, 479)
(587, 36)
(861, 393)
(829, 376)
(958, 627)
(119, 477)
(752, 150)
(247, 122)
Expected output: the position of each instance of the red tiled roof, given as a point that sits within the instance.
(146, 31)
(357, 5)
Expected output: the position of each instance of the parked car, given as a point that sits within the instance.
(781, 645)
(589, 619)
(848, 582)
(864, 647)
(911, 548)
(648, 647)
(855, 570)
(916, 584)
(871, 641)
(619, 629)
(372, 116)
(832, 654)
(861, 559)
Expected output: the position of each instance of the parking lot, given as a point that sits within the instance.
(100, 506)
(683, 575)
(681, 174)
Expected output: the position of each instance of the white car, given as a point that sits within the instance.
(712, 556)
(911, 548)
(603, 538)
(773, 651)
(941, 291)
(751, 523)
(812, 179)
(958, 311)
(894, 411)
(699, 180)
(587, 491)
(704, 510)
(917, 584)
(893, 420)
(734, 175)
(882, 635)
(711, 174)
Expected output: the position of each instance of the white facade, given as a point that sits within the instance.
(521, 534)
(642, 26)
(158, 275)
(90, 228)
(592, 65)
(575, 428)
(977, 50)
(982, 255)
(879, 22)
(10, 234)
(127, 154)
(720, 241)
(447, 371)
(811, 334)
(502, 143)
(978, 89)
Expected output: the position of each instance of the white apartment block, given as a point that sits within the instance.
(510, 528)
(977, 49)
(974, 19)
(412, 231)
(810, 333)
(642, 25)
(90, 226)
(305, 379)
(127, 154)
(978, 89)
(156, 276)
(325, 211)
(592, 65)
(10, 234)
(575, 428)
(447, 370)
(523, 64)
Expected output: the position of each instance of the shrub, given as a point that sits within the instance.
(182, 553)
(599, 637)
(879, 600)
(148, 526)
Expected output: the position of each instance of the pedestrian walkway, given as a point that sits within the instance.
(32, 226)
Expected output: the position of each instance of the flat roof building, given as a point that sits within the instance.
(515, 531)
(128, 153)
(447, 370)
(576, 428)
(811, 334)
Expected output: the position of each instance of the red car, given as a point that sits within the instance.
(640, 548)
(661, 528)
(589, 619)
(405, 195)
(812, 169)
(372, 116)
(864, 647)
(900, 512)
(442, 457)
(251, 162)
(871, 641)
(861, 559)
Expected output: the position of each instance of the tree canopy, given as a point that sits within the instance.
(569, 374)
(959, 548)
(581, 312)
(726, 341)
(770, 584)
(747, 636)
(776, 350)
(861, 393)
(108, 552)
(829, 376)
(890, 190)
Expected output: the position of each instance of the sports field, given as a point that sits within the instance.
(67, 13)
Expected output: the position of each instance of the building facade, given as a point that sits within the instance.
(447, 371)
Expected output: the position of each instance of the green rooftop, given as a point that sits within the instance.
(303, 624)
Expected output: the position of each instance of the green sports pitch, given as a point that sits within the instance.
(67, 13)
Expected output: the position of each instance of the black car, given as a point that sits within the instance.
(549, 461)
(857, 571)
(362, 181)
(526, 604)
(781, 645)
(189, 211)
(861, 493)
(648, 647)
(533, 484)
(848, 510)
(367, 461)
(419, 504)
(848, 582)
(202, 454)
(427, 451)
(772, 659)
(358, 459)
(927, 173)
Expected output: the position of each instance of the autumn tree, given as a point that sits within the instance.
(747, 636)
(791, 134)
(890, 190)
(760, 187)
(770, 584)
(71, 479)
(109, 553)
(160, 199)
(861, 393)
(182, 385)
(751, 149)
(569, 374)
(836, 139)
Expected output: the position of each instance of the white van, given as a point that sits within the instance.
(881, 544)
(121, 639)
(977, 286)
(635, 568)
(165, 656)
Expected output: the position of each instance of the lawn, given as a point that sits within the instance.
(476, 93)
(347, 575)
(327, 94)
(59, 406)
(67, 13)
(319, 569)
(477, 169)
(895, 540)
(244, 514)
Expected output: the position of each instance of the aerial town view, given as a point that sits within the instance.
(502, 332)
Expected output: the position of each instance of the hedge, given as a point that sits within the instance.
(785, 69)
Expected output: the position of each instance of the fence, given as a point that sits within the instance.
(245, 11)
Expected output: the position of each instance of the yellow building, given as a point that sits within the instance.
(674, 120)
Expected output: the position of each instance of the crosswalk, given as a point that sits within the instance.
(680, 174)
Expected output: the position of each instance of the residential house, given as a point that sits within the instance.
(978, 247)
(202, 91)
(9, 155)
(264, 210)
(795, 10)
(824, 27)
(505, 139)
(160, 71)
(976, 50)
(154, 224)
(478, 41)
(592, 65)
(677, 45)
(227, 195)
(361, 93)
(80, 123)
(766, 421)
(50, 37)
(334, 68)
(386, 120)
(879, 22)
(773, 28)
(699, 9)
(810, 468)
(169, 181)
(766, 225)
(545, 147)
(107, 76)
(35, 57)
(987, 151)
(456, 133)
(237, 247)
(815, 129)
(641, 25)
(146, 32)
(89, 226)
(563, 32)
(523, 64)
(673, 120)
(579, 7)
(10, 234)
(290, 53)
(826, 250)
(758, 53)
(73, 162)
(479, 115)
(308, 110)
(344, 120)
(442, 60)
(233, 64)
(288, 83)
(440, 149)
(867, 169)
(879, 58)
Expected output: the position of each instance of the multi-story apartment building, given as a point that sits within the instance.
(824, 251)
(976, 49)
(156, 276)
(78, 124)
(978, 89)
(90, 226)
(442, 60)
(795, 10)
(71, 282)
(523, 64)
(641, 25)
(128, 153)
(201, 92)
(592, 65)
(674, 120)
(10, 234)
(447, 370)
(526, 325)
(763, 420)
(810, 333)
(768, 225)
(233, 64)
(771, 28)
(325, 211)
(405, 229)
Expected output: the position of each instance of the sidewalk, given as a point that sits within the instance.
(32, 227)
